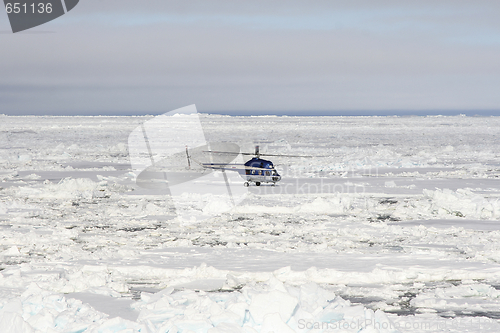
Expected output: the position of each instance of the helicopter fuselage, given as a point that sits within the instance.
(260, 171)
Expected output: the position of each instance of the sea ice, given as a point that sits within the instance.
(393, 227)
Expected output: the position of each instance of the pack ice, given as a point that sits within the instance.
(393, 227)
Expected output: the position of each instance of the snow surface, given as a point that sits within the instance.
(392, 228)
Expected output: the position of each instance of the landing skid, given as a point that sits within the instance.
(246, 184)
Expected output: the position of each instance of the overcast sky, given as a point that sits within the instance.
(255, 56)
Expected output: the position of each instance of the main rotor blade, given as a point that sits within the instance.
(278, 155)
(252, 154)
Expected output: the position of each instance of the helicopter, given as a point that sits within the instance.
(255, 170)
(217, 156)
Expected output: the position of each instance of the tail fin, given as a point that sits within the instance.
(187, 155)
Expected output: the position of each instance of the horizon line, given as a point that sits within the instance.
(359, 113)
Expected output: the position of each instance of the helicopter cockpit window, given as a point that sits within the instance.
(268, 173)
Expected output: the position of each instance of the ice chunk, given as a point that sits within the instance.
(12, 251)
(273, 322)
(227, 328)
(274, 302)
(14, 323)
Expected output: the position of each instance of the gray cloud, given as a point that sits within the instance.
(125, 57)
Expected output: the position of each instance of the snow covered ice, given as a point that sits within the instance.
(394, 228)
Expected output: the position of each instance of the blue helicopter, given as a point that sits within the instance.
(171, 171)
(255, 170)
